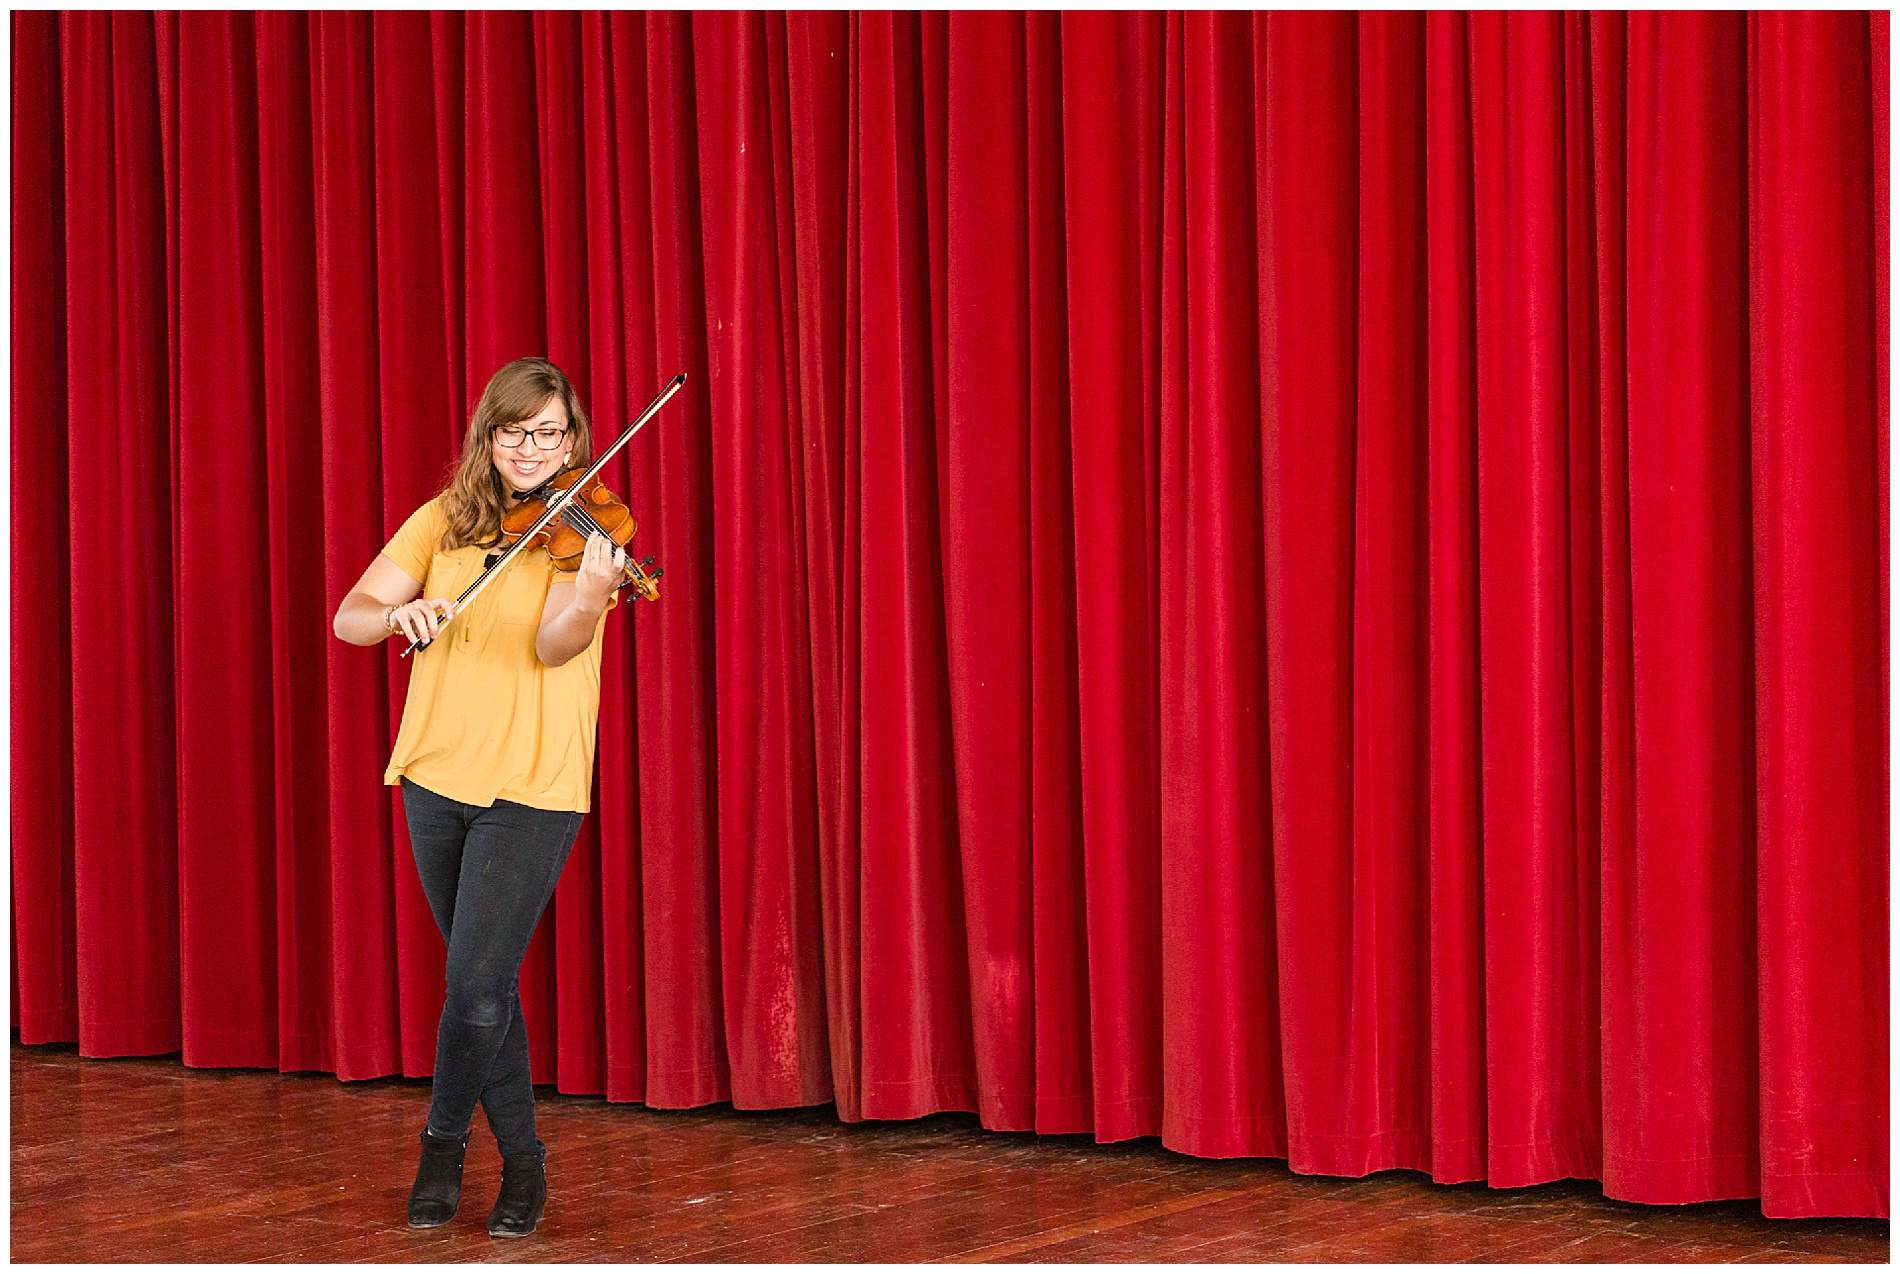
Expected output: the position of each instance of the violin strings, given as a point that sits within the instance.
(583, 521)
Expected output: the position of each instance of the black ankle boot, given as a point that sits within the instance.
(524, 1194)
(438, 1188)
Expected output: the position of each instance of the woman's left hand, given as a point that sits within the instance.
(603, 567)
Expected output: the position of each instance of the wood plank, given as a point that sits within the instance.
(144, 1159)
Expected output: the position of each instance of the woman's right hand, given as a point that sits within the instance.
(362, 617)
(421, 619)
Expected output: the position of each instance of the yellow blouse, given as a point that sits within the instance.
(485, 719)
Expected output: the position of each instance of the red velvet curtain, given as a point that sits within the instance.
(1312, 585)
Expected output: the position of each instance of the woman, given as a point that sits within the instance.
(495, 757)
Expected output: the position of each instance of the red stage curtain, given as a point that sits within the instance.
(1311, 585)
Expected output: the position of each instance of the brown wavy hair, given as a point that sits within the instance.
(474, 499)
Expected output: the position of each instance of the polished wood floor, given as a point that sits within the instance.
(145, 1160)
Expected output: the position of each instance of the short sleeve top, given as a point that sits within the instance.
(485, 719)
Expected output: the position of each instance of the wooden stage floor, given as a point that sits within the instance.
(145, 1160)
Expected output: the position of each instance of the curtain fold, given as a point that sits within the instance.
(1313, 585)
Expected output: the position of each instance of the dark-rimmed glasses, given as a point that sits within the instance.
(544, 439)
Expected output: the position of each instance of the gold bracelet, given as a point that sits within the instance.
(389, 617)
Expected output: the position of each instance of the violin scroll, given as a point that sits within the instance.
(644, 582)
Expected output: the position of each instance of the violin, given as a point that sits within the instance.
(590, 510)
(555, 502)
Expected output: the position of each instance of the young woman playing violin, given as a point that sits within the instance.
(495, 757)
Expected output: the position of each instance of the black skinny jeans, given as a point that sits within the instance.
(488, 871)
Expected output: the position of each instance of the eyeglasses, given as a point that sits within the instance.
(545, 439)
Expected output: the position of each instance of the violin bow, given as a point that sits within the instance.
(553, 511)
